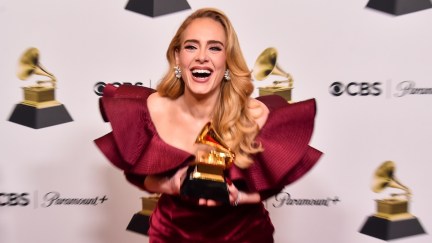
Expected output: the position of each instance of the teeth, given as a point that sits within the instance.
(201, 71)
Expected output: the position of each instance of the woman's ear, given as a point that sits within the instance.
(176, 54)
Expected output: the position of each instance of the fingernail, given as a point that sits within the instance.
(228, 181)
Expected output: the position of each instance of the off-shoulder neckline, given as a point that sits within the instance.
(153, 129)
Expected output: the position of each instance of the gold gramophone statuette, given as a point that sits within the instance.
(206, 174)
(395, 207)
(42, 94)
(392, 219)
(39, 108)
(266, 65)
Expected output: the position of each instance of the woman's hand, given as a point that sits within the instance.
(171, 185)
(177, 180)
(163, 184)
(236, 197)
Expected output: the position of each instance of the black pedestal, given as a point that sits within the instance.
(155, 8)
(399, 7)
(387, 230)
(194, 188)
(139, 223)
(39, 118)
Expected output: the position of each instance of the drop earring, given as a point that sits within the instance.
(177, 72)
(227, 75)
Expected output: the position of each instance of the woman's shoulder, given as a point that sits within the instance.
(259, 111)
(158, 105)
(155, 99)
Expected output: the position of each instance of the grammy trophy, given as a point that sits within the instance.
(39, 108)
(392, 219)
(205, 176)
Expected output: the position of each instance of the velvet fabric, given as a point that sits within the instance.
(135, 147)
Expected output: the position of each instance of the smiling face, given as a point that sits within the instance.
(202, 57)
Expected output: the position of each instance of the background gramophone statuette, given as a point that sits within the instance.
(392, 219)
(205, 176)
(266, 65)
(399, 7)
(140, 222)
(39, 108)
(154, 8)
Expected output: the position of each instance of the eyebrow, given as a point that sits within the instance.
(208, 42)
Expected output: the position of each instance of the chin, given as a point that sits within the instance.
(202, 88)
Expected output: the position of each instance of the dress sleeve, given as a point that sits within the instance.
(287, 155)
(133, 145)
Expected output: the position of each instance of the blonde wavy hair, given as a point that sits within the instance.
(232, 119)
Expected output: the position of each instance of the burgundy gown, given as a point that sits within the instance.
(135, 147)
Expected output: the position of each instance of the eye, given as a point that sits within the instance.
(215, 48)
(190, 47)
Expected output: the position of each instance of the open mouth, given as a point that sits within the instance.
(201, 73)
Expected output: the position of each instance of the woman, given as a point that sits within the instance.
(154, 133)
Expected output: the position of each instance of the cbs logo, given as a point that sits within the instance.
(356, 88)
(100, 86)
(14, 199)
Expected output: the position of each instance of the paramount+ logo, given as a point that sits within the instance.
(356, 88)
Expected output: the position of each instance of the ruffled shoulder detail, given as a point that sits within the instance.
(134, 145)
(285, 138)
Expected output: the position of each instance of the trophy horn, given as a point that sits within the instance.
(29, 65)
(384, 177)
(209, 136)
(266, 64)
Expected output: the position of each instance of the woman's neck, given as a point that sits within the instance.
(198, 108)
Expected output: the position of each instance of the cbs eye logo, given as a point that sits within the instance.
(100, 86)
(355, 89)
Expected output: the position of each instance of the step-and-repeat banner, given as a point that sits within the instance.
(367, 63)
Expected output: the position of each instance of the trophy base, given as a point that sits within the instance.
(36, 118)
(399, 7)
(197, 188)
(139, 223)
(387, 230)
(157, 7)
(284, 92)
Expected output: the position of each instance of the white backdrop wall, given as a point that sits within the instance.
(319, 43)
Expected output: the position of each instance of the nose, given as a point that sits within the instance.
(202, 56)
